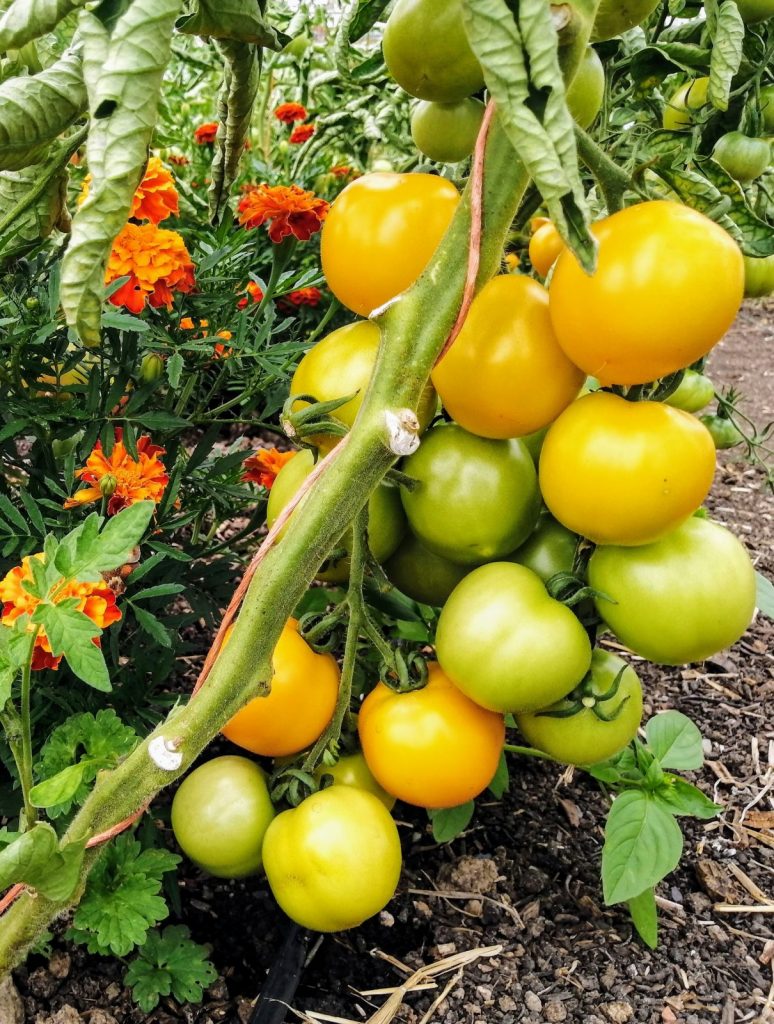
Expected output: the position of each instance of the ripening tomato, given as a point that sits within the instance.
(617, 16)
(744, 158)
(352, 770)
(589, 736)
(506, 375)
(548, 550)
(333, 861)
(544, 248)
(587, 89)
(300, 703)
(623, 472)
(386, 521)
(220, 815)
(380, 234)
(508, 645)
(341, 364)
(431, 747)
(421, 574)
(427, 52)
(681, 599)
(692, 393)
(758, 276)
(447, 132)
(678, 113)
(767, 107)
(667, 287)
(476, 499)
(754, 11)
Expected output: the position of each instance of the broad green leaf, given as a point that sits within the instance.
(85, 552)
(71, 633)
(368, 13)
(728, 37)
(664, 59)
(675, 741)
(169, 963)
(29, 212)
(521, 70)
(681, 798)
(123, 72)
(30, 19)
(241, 75)
(59, 788)
(764, 594)
(35, 859)
(450, 821)
(501, 781)
(237, 20)
(36, 109)
(645, 917)
(14, 654)
(643, 843)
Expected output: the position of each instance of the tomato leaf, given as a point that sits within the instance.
(501, 781)
(449, 822)
(71, 633)
(35, 858)
(681, 798)
(85, 552)
(14, 653)
(726, 53)
(643, 843)
(232, 20)
(764, 594)
(30, 19)
(675, 741)
(645, 917)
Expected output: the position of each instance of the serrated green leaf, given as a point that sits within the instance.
(645, 917)
(169, 963)
(681, 798)
(727, 42)
(123, 72)
(660, 60)
(36, 109)
(161, 420)
(241, 76)
(35, 859)
(764, 590)
(71, 633)
(159, 590)
(30, 19)
(675, 741)
(61, 787)
(522, 73)
(85, 552)
(643, 843)
(151, 625)
(368, 13)
(449, 822)
(236, 20)
(175, 366)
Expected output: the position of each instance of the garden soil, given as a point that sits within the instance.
(511, 912)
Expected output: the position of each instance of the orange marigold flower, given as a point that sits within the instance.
(157, 263)
(180, 159)
(96, 600)
(156, 197)
(254, 292)
(205, 134)
(290, 112)
(344, 171)
(301, 134)
(219, 350)
(121, 478)
(288, 209)
(304, 296)
(263, 465)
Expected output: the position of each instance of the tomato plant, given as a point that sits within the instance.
(743, 157)
(406, 737)
(680, 599)
(723, 432)
(447, 132)
(505, 668)
(548, 550)
(333, 861)
(352, 770)
(220, 815)
(758, 276)
(587, 89)
(681, 105)
(694, 391)
(421, 574)
(545, 244)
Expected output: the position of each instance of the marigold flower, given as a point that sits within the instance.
(205, 134)
(344, 171)
(129, 480)
(263, 465)
(180, 159)
(156, 197)
(254, 292)
(157, 263)
(301, 134)
(304, 296)
(289, 210)
(96, 600)
(290, 112)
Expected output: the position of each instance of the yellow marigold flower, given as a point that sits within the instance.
(157, 263)
(156, 197)
(127, 480)
(96, 600)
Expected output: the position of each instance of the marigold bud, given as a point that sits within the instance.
(107, 485)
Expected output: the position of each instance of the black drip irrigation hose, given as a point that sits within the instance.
(283, 978)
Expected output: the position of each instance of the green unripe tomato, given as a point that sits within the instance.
(427, 52)
(678, 113)
(767, 107)
(534, 443)
(744, 158)
(549, 550)
(421, 574)
(446, 132)
(587, 89)
(352, 770)
(220, 815)
(754, 11)
(758, 276)
(617, 16)
(31, 302)
(723, 432)
(693, 392)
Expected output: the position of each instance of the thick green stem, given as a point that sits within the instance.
(613, 182)
(512, 748)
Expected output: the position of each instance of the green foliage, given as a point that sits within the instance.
(29, 19)
(169, 963)
(241, 72)
(449, 822)
(35, 858)
(122, 900)
(765, 599)
(727, 49)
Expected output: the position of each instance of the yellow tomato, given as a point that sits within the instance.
(380, 234)
(678, 113)
(623, 472)
(506, 375)
(299, 705)
(544, 248)
(667, 287)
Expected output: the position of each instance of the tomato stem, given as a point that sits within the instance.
(512, 748)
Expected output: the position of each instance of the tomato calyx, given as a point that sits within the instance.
(403, 672)
(323, 630)
(291, 785)
(313, 418)
(583, 698)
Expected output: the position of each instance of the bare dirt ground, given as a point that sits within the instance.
(524, 878)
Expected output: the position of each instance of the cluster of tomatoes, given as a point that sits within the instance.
(553, 497)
